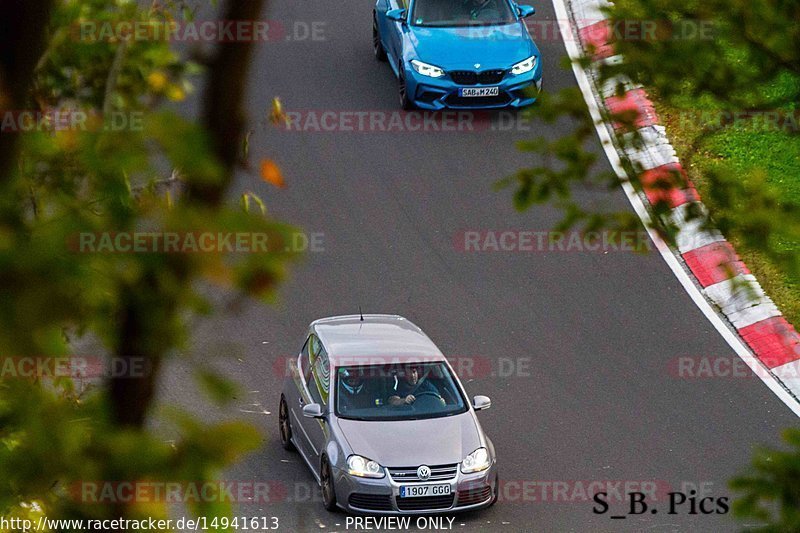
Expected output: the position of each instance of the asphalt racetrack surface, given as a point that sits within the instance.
(577, 350)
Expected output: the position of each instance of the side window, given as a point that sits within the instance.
(312, 345)
(304, 361)
(322, 374)
(317, 375)
(402, 4)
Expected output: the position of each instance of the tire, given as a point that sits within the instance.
(377, 45)
(326, 483)
(405, 102)
(285, 425)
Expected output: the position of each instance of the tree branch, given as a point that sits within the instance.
(223, 116)
(224, 119)
(22, 41)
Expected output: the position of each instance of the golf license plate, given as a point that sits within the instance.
(478, 91)
(417, 491)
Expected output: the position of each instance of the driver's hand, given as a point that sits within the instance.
(410, 399)
(396, 400)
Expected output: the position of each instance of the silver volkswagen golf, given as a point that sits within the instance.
(382, 421)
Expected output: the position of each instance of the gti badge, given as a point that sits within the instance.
(424, 472)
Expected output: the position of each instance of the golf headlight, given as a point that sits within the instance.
(426, 69)
(477, 461)
(524, 66)
(363, 467)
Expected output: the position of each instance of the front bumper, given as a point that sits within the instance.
(382, 496)
(442, 93)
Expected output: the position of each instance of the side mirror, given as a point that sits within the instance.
(526, 11)
(479, 403)
(398, 15)
(313, 410)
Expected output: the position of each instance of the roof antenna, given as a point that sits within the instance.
(360, 313)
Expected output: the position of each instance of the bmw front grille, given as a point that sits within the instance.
(471, 77)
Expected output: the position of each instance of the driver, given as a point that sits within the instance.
(353, 390)
(409, 386)
(481, 9)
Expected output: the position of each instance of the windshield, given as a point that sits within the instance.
(462, 12)
(397, 392)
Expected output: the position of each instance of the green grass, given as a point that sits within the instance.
(744, 149)
(777, 154)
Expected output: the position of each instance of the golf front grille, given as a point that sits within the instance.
(371, 502)
(408, 474)
(425, 503)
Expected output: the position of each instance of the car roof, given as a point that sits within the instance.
(377, 339)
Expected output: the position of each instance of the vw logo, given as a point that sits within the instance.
(477, 65)
(424, 472)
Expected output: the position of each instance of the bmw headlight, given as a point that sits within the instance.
(427, 70)
(477, 461)
(524, 66)
(363, 467)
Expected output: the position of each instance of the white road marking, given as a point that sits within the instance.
(255, 408)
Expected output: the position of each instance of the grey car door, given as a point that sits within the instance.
(297, 397)
(317, 387)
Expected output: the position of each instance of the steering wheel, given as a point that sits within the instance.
(431, 393)
(474, 12)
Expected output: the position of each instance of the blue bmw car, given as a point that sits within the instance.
(464, 54)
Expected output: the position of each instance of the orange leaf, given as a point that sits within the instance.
(271, 173)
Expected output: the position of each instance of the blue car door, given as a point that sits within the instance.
(391, 30)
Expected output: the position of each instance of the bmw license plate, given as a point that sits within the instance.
(478, 91)
(416, 491)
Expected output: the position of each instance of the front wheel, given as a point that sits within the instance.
(326, 481)
(402, 90)
(284, 425)
(377, 45)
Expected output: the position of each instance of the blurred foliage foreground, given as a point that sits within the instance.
(158, 172)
